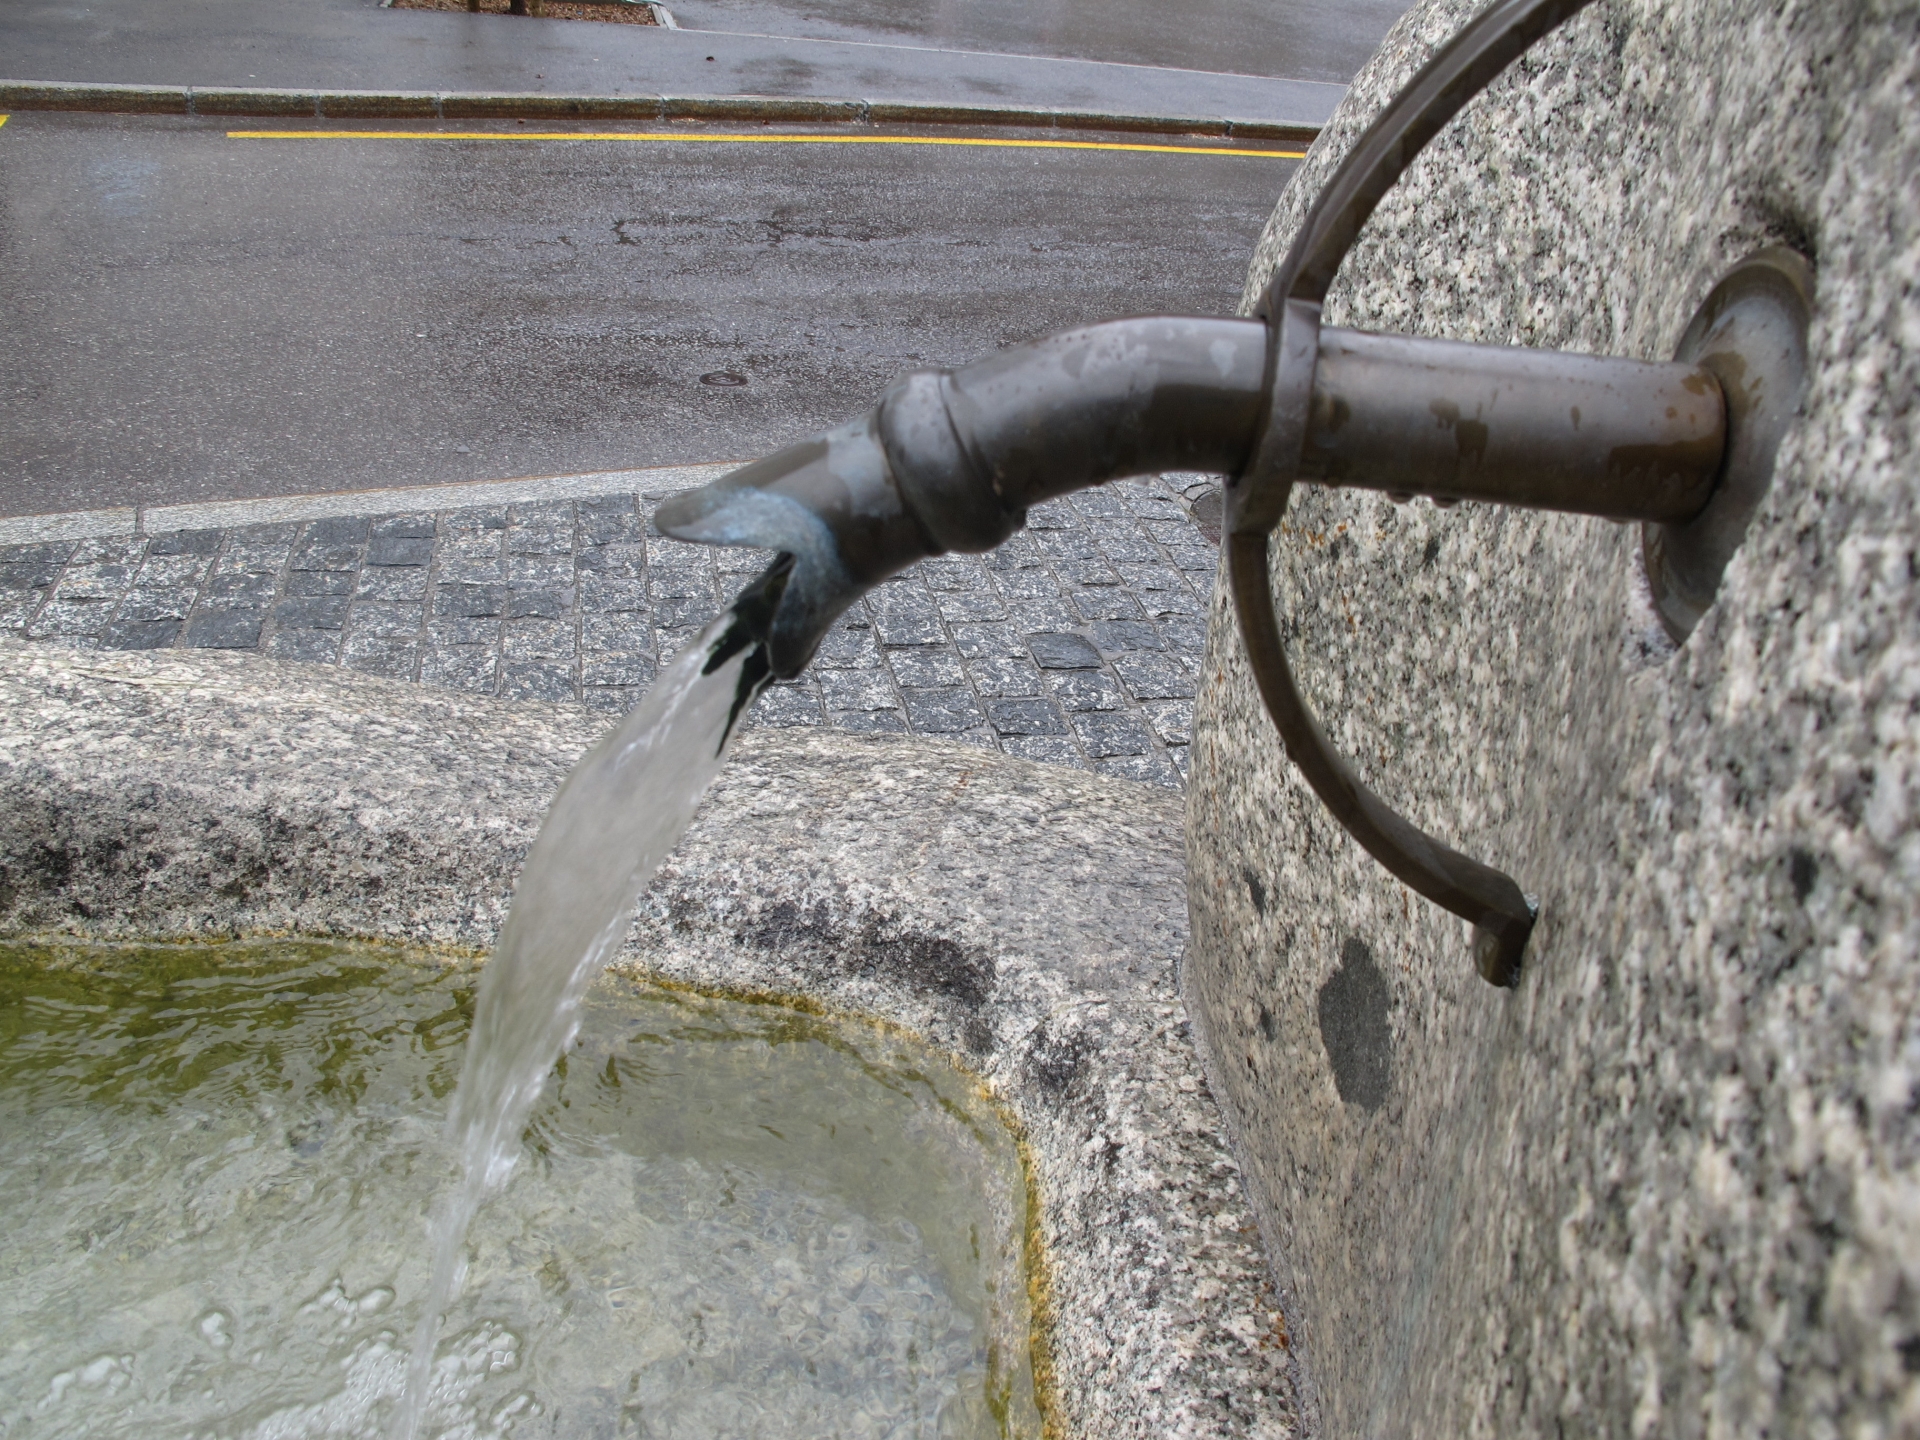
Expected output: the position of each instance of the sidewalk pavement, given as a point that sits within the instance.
(1077, 642)
(355, 45)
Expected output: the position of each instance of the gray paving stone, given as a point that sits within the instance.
(857, 690)
(1153, 676)
(131, 634)
(1009, 677)
(1172, 720)
(311, 612)
(460, 667)
(1107, 733)
(942, 712)
(1086, 690)
(926, 666)
(216, 629)
(1063, 652)
(784, 706)
(871, 722)
(318, 582)
(1026, 717)
(1071, 644)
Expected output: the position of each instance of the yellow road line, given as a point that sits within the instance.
(806, 139)
(3, 119)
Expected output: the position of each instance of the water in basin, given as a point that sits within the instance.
(733, 1219)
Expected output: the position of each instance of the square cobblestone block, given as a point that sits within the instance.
(857, 690)
(536, 680)
(1145, 503)
(1082, 573)
(905, 615)
(1098, 504)
(538, 604)
(462, 570)
(94, 582)
(1116, 637)
(216, 629)
(202, 543)
(974, 605)
(1152, 768)
(1105, 604)
(1180, 531)
(1184, 636)
(545, 572)
(463, 630)
(319, 582)
(784, 707)
(251, 559)
(63, 619)
(390, 584)
(691, 613)
(311, 612)
(680, 582)
(473, 600)
(615, 562)
(941, 712)
(1032, 616)
(1166, 604)
(601, 592)
(476, 520)
(336, 530)
(404, 551)
(1031, 582)
(380, 655)
(870, 722)
(1017, 552)
(17, 606)
(538, 640)
(32, 571)
(613, 699)
(945, 574)
(926, 666)
(325, 557)
(1026, 717)
(610, 520)
(1153, 575)
(400, 527)
(1063, 652)
(1051, 515)
(848, 648)
(549, 538)
(1194, 559)
(166, 572)
(472, 668)
(109, 550)
(1067, 547)
(1172, 720)
(315, 647)
(1086, 690)
(981, 642)
(143, 605)
(238, 592)
(1107, 733)
(127, 634)
(1046, 749)
(620, 631)
(1004, 677)
(1152, 676)
(395, 621)
(618, 670)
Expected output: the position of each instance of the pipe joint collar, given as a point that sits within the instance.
(945, 489)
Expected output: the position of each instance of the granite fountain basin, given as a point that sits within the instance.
(1024, 923)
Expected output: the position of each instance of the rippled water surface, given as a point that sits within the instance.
(734, 1220)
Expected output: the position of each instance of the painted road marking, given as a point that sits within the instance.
(804, 139)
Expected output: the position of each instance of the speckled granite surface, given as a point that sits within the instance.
(1028, 918)
(1671, 1184)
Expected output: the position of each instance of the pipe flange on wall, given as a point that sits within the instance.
(1688, 448)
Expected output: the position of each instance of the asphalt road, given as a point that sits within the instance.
(189, 316)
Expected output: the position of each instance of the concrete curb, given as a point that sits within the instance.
(502, 105)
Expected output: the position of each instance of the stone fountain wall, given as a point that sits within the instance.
(1670, 1185)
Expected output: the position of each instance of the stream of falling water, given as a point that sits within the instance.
(624, 806)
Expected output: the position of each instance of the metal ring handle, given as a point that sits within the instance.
(1257, 498)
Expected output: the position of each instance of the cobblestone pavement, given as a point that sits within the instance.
(1075, 642)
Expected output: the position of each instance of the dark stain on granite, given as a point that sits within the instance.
(1353, 1026)
(1054, 1061)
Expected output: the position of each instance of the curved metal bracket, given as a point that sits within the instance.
(1257, 498)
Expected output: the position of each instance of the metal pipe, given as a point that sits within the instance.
(1588, 434)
